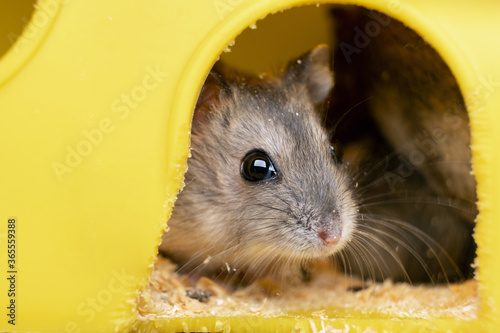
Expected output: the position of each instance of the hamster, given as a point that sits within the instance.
(264, 191)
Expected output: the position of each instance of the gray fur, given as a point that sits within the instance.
(258, 227)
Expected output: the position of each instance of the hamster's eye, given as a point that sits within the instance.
(336, 153)
(257, 167)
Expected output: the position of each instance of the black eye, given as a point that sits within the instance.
(336, 153)
(257, 167)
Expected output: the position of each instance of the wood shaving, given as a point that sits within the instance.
(327, 294)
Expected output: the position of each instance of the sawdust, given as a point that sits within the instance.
(326, 292)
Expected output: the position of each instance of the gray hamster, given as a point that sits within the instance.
(265, 190)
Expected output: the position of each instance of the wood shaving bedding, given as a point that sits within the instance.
(327, 293)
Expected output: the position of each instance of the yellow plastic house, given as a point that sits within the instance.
(96, 100)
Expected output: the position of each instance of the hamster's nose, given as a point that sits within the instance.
(328, 238)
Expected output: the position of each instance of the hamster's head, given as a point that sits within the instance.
(263, 184)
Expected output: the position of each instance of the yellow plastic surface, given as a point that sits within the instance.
(96, 99)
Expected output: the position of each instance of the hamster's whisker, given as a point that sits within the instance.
(260, 219)
(284, 201)
(357, 256)
(263, 231)
(366, 237)
(454, 162)
(363, 173)
(432, 200)
(370, 257)
(259, 265)
(413, 252)
(193, 259)
(270, 207)
(346, 264)
(337, 123)
(426, 239)
(278, 264)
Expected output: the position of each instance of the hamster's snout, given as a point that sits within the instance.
(329, 230)
(329, 238)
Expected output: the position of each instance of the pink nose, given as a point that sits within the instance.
(328, 239)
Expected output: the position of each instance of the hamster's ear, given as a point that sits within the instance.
(313, 69)
(209, 97)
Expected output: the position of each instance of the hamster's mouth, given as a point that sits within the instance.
(316, 249)
(330, 242)
(325, 250)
